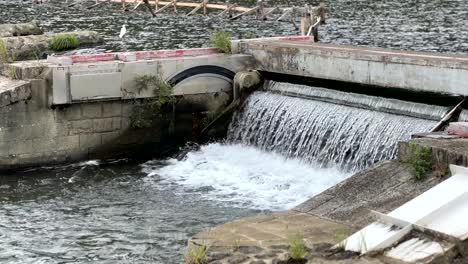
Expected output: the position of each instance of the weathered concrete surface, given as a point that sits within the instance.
(429, 72)
(34, 134)
(35, 46)
(265, 239)
(13, 91)
(444, 151)
(21, 29)
(207, 74)
(335, 213)
(382, 188)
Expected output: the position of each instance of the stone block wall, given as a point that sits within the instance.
(33, 134)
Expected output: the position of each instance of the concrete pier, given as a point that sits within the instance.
(428, 72)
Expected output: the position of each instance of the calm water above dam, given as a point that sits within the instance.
(144, 213)
(428, 25)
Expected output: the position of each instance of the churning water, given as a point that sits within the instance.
(246, 177)
(324, 134)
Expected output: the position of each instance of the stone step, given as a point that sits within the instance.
(25, 70)
(12, 91)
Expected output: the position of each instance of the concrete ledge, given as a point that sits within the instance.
(429, 72)
(12, 91)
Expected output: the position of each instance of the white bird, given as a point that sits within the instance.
(123, 31)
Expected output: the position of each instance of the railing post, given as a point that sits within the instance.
(205, 8)
(174, 3)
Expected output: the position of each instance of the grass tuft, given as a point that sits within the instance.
(420, 160)
(196, 254)
(296, 247)
(221, 40)
(5, 55)
(64, 41)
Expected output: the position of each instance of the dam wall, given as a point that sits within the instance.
(415, 71)
(89, 107)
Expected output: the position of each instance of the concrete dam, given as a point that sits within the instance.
(299, 139)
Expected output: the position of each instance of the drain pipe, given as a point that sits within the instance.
(243, 84)
(448, 116)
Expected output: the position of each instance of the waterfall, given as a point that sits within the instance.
(322, 133)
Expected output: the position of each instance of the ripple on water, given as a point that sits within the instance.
(431, 25)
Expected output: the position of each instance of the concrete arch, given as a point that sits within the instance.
(202, 79)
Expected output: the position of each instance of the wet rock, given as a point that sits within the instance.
(23, 29)
(37, 47)
(257, 262)
(249, 249)
(237, 259)
(213, 256)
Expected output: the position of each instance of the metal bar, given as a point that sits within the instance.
(448, 116)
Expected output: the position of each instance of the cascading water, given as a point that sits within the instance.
(324, 134)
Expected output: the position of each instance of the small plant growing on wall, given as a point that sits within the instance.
(63, 42)
(420, 160)
(149, 110)
(5, 55)
(221, 40)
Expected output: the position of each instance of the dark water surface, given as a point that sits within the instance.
(102, 214)
(425, 25)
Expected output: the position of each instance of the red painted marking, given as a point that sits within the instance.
(142, 55)
(157, 54)
(458, 128)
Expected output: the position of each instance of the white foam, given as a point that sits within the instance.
(246, 176)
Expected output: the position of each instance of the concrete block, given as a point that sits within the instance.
(112, 109)
(103, 125)
(21, 92)
(125, 123)
(5, 98)
(81, 126)
(110, 137)
(91, 110)
(67, 142)
(90, 140)
(22, 147)
(72, 112)
(42, 145)
(458, 128)
(116, 123)
(63, 61)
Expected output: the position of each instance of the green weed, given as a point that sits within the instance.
(221, 40)
(296, 247)
(64, 41)
(420, 160)
(196, 254)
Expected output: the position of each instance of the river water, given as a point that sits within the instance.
(99, 212)
(144, 213)
(425, 25)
